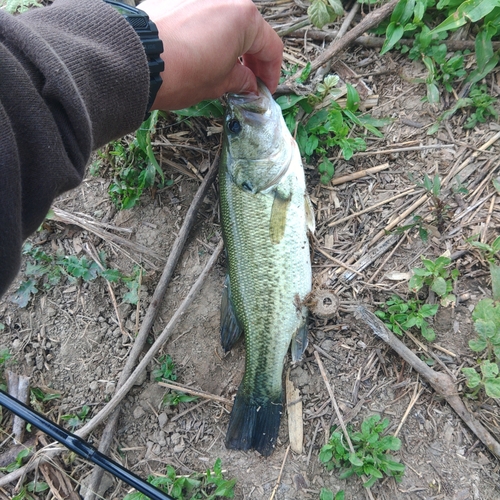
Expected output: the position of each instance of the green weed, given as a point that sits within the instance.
(400, 316)
(488, 379)
(134, 165)
(77, 419)
(319, 131)
(370, 455)
(323, 12)
(326, 494)
(486, 317)
(31, 487)
(44, 271)
(18, 462)
(166, 371)
(208, 486)
(437, 276)
(429, 23)
(488, 252)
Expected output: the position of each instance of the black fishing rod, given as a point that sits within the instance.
(80, 447)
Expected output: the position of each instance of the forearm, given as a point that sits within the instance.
(73, 77)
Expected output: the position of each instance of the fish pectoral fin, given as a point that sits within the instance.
(279, 209)
(230, 329)
(310, 222)
(299, 343)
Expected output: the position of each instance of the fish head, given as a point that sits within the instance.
(257, 141)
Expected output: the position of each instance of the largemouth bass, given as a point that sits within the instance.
(266, 215)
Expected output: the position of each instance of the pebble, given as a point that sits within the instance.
(110, 388)
(94, 386)
(138, 412)
(162, 419)
(179, 448)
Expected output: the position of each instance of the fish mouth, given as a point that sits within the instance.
(249, 103)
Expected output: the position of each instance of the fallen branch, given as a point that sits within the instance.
(375, 42)
(440, 382)
(123, 391)
(151, 313)
(373, 19)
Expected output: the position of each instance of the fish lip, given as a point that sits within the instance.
(251, 102)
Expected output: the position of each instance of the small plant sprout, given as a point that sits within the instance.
(437, 276)
(208, 486)
(166, 371)
(370, 455)
(400, 316)
(76, 420)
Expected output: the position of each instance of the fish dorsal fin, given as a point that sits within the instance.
(311, 224)
(278, 215)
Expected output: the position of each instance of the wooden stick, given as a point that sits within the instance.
(371, 20)
(375, 42)
(337, 261)
(339, 415)
(484, 232)
(68, 218)
(194, 392)
(403, 150)
(440, 382)
(123, 391)
(275, 489)
(413, 400)
(373, 207)
(151, 314)
(90, 249)
(359, 174)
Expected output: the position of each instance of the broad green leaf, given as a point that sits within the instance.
(439, 286)
(372, 471)
(326, 494)
(415, 283)
(492, 387)
(355, 460)
(473, 378)
(477, 345)
(428, 310)
(495, 279)
(470, 10)
(318, 13)
(337, 6)
(485, 328)
(289, 101)
(482, 309)
(489, 369)
(352, 103)
(394, 33)
(432, 93)
(23, 294)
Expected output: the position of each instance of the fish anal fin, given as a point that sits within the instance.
(230, 329)
(278, 216)
(254, 425)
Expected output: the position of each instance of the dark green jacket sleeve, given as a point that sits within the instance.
(73, 76)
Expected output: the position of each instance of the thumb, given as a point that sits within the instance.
(240, 80)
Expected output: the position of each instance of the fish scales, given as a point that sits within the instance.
(265, 234)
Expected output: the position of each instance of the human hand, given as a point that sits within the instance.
(203, 40)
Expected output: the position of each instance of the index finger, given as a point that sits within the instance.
(265, 54)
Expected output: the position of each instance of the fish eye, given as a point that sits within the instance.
(234, 126)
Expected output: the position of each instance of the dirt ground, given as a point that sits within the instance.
(68, 338)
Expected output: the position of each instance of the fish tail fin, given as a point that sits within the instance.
(254, 425)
